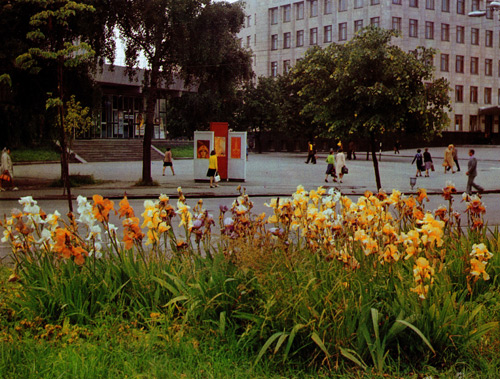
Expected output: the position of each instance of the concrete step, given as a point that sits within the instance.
(112, 150)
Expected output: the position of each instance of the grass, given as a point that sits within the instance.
(265, 299)
(180, 151)
(37, 154)
(76, 181)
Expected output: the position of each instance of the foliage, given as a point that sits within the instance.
(324, 282)
(77, 119)
(367, 88)
(192, 39)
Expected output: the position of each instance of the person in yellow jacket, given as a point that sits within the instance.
(212, 168)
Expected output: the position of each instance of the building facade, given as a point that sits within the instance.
(279, 32)
(123, 105)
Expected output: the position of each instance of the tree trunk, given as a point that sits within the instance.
(373, 144)
(62, 137)
(148, 131)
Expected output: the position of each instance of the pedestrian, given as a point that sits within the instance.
(455, 157)
(428, 164)
(351, 153)
(7, 171)
(339, 164)
(448, 159)
(311, 152)
(212, 169)
(418, 158)
(330, 169)
(168, 161)
(396, 147)
(472, 173)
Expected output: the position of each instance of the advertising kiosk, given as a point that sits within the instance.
(230, 148)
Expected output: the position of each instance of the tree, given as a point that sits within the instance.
(369, 88)
(57, 44)
(194, 39)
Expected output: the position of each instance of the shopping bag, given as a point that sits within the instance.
(217, 178)
(432, 167)
(345, 170)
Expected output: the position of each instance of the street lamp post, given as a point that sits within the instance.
(493, 5)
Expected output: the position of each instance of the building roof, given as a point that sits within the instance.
(117, 76)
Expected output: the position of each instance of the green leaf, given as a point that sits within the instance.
(319, 342)
(420, 334)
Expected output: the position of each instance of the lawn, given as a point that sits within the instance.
(324, 287)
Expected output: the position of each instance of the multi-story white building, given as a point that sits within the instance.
(280, 31)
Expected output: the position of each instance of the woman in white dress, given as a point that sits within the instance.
(339, 163)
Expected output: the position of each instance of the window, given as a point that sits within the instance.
(287, 40)
(445, 6)
(313, 36)
(429, 30)
(374, 2)
(249, 40)
(328, 6)
(458, 122)
(397, 2)
(287, 13)
(475, 5)
(249, 21)
(274, 15)
(413, 3)
(473, 123)
(342, 5)
(445, 62)
(274, 69)
(358, 3)
(459, 64)
(474, 63)
(358, 25)
(445, 32)
(300, 38)
(274, 42)
(488, 67)
(459, 93)
(474, 36)
(286, 66)
(487, 95)
(498, 68)
(473, 95)
(429, 4)
(313, 8)
(327, 34)
(413, 28)
(299, 11)
(488, 40)
(343, 31)
(461, 6)
(396, 23)
(460, 34)
(375, 21)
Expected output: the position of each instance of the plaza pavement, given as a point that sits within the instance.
(268, 174)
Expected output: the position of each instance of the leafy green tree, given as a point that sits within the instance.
(369, 88)
(261, 110)
(57, 43)
(194, 39)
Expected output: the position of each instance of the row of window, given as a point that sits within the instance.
(473, 123)
(474, 65)
(313, 9)
(473, 94)
(413, 31)
(299, 8)
(396, 25)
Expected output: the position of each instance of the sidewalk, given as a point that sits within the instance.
(268, 174)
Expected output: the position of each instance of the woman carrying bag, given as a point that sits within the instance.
(212, 169)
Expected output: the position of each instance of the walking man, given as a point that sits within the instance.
(472, 173)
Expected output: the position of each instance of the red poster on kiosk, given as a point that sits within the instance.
(220, 130)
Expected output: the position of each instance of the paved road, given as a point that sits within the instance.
(268, 175)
